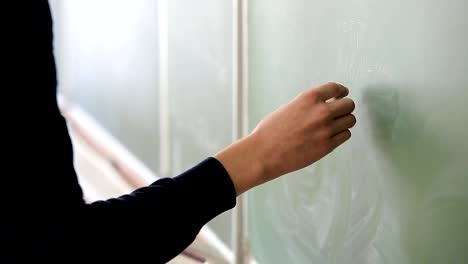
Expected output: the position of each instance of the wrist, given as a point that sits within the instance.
(244, 163)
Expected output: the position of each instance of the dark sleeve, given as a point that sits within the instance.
(153, 223)
(44, 218)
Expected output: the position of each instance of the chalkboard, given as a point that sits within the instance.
(397, 192)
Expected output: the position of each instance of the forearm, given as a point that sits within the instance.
(243, 162)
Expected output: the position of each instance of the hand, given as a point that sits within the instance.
(294, 136)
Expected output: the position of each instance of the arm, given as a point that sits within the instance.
(170, 212)
(46, 217)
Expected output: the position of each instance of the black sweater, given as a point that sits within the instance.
(43, 213)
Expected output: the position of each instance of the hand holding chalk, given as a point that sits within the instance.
(294, 136)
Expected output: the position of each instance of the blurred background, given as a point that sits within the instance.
(146, 89)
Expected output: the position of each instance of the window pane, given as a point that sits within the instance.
(107, 58)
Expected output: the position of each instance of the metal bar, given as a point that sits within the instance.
(240, 120)
(164, 106)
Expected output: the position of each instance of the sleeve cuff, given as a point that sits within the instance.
(210, 186)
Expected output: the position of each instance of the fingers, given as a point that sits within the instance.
(331, 90)
(340, 138)
(341, 107)
(342, 124)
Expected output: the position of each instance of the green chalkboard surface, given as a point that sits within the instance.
(397, 192)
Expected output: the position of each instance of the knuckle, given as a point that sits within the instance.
(325, 131)
(325, 148)
(323, 112)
